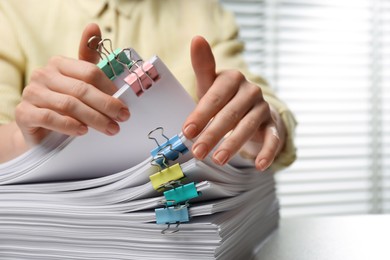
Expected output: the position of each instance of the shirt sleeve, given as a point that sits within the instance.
(228, 52)
(11, 67)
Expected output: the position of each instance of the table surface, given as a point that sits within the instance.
(329, 238)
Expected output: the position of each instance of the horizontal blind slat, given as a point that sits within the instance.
(325, 59)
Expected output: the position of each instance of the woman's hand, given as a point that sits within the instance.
(68, 96)
(233, 109)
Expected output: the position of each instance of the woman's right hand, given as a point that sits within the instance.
(70, 95)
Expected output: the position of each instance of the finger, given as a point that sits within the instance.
(268, 152)
(222, 90)
(86, 93)
(83, 71)
(203, 63)
(227, 119)
(89, 53)
(242, 133)
(31, 119)
(69, 106)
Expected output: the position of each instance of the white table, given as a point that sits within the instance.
(364, 237)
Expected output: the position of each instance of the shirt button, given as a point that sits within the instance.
(108, 29)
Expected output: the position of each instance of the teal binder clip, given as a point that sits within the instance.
(181, 194)
(172, 215)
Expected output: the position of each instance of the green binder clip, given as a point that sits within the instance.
(114, 64)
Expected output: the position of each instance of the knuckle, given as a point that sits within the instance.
(30, 90)
(254, 92)
(39, 74)
(91, 73)
(251, 124)
(107, 103)
(79, 89)
(210, 137)
(55, 60)
(20, 113)
(231, 144)
(45, 116)
(236, 75)
(43, 76)
(68, 124)
(213, 99)
(98, 120)
(267, 108)
(67, 103)
(230, 116)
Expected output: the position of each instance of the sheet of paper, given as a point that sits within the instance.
(166, 104)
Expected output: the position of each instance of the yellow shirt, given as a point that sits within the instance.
(34, 30)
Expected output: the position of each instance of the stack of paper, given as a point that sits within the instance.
(99, 197)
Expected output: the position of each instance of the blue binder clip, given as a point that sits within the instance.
(172, 215)
(170, 149)
(181, 194)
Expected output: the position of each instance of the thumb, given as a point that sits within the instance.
(203, 63)
(87, 51)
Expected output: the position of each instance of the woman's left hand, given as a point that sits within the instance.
(233, 109)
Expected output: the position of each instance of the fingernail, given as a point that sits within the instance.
(123, 114)
(263, 164)
(221, 157)
(112, 128)
(200, 151)
(190, 130)
(82, 130)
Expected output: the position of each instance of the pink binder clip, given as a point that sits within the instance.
(142, 78)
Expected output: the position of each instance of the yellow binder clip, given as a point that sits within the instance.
(166, 177)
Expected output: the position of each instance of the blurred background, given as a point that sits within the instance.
(329, 60)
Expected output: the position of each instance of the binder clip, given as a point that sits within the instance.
(181, 194)
(170, 149)
(114, 61)
(172, 215)
(167, 178)
(142, 78)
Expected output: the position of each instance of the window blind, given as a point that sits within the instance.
(329, 60)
